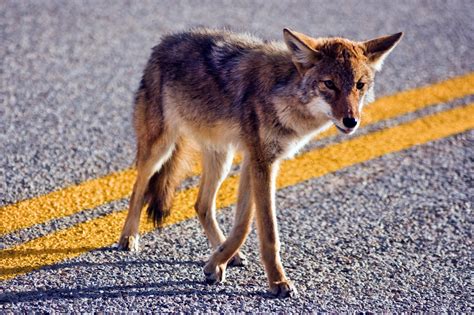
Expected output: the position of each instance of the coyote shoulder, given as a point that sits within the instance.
(231, 92)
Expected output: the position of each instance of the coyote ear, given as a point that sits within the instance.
(303, 55)
(378, 49)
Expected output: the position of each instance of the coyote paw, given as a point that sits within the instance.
(283, 289)
(130, 243)
(239, 260)
(214, 274)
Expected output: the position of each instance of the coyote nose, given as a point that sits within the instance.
(349, 122)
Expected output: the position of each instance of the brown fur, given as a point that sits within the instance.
(227, 92)
(162, 184)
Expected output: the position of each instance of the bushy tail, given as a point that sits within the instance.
(163, 183)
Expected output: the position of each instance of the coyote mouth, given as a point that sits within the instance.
(343, 130)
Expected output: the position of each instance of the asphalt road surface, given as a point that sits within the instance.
(380, 221)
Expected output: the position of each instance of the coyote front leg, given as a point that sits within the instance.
(263, 184)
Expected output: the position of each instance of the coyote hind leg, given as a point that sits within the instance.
(216, 165)
(215, 268)
(150, 159)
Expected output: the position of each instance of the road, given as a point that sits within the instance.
(378, 221)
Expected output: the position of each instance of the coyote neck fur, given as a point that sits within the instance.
(288, 111)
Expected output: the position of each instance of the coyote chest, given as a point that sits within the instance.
(294, 145)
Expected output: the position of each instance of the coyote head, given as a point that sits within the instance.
(337, 75)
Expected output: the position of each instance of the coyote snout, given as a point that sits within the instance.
(230, 92)
(347, 112)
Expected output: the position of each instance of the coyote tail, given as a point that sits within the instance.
(162, 184)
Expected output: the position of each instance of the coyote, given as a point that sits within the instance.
(229, 92)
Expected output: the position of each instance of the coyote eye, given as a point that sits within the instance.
(360, 85)
(329, 84)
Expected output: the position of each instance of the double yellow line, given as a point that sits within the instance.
(104, 231)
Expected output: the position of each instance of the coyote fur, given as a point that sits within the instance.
(231, 92)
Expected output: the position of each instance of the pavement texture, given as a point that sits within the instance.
(390, 234)
(359, 239)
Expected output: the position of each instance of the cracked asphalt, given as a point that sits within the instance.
(390, 234)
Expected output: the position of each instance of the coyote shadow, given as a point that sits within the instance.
(164, 288)
(156, 289)
(12, 253)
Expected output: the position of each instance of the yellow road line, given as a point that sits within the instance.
(103, 231)
(95, 192)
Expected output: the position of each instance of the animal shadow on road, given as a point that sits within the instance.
(156, 289)
(15, 253)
